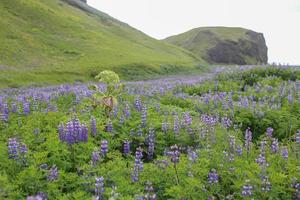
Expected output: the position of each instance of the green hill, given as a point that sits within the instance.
(56, 41)
(225, 45)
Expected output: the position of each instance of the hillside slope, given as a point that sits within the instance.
(57, 41)
(225, 45)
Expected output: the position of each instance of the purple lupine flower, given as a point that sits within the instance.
(104, 148)
(61, 132)
(150, 141)
(150, 195)
(83, 133)
(23, 149)
(126, 147)
(38, 197)
(290, 97)
(176, 128)
(99, 188)
(95, 157)
(295, 184)
(94, 130)
(162, 164)
(248, 139)
(261, 160)
(285, 152)
(69, 136)
(36, 131)
(247, 189)
(232, 142)
(44, 166)
(5, 112)
(53, 175)
(174, 154)
(157, 108)
(239, 150)
(192, 155)
(269, 132)
(26, 108)
(109, 127)
(298, 137)
(164, 126)
(138, 104)
(144, 117)
(73, 133)
(127, 110)
(226, 122)
(131, 133)
(266, 185)
(187, 119)
(115, 111)
(213, 177)
(209, 120)
(14, 107)
(13, 148)
(139, 132)
(122, 120)
(138, 165)
(275, 146)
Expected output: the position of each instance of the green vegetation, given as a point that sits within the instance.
(61, 41)
(199, 40)
(227, 45)
(229, 138)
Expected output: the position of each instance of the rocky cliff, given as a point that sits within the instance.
(224, 45)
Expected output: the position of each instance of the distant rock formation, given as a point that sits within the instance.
(84, 1)
(224, 45)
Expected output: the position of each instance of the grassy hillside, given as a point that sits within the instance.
(57, 41)
(208, 42)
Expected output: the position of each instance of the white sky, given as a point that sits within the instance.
(279, 20)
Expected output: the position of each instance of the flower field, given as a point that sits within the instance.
(230, 134)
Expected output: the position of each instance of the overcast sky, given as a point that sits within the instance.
(279, 20)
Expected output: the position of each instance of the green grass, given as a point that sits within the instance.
(200, 40)
(45, 41)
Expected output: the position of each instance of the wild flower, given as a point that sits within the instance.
(298, 137)
(213, 177)
(13, 148)
(126, 147)
(99, 188)
(95, 157)
(247, 189)
(164, 126)
(109, 126)
(187, 119)
(151, 145)
(138, 165)
(26, 108)
(126, 111)
(266, 185)
(38, 197)
(73, 133)
(275, 146)
(53, 174)
(285, 153)
(150, 195)
(248, 140)
(176, 127)
(226, 122)
(144, 117)
(192, 155)
(94, 130)
(269, 132)
(104, 148)
(138, 104)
